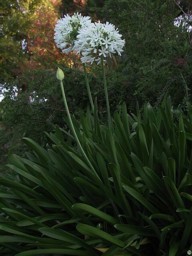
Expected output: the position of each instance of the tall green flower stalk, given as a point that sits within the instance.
(106, 95)
(60, 77)
(117, 169)
(88, 88)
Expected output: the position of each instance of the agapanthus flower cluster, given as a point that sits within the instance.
(98, 41)
(67, 29)
(92, 41)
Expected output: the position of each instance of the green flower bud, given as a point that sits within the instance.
(60, 74)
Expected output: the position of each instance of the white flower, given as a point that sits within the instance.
(66, 30)
(184, 21)
(98, 41)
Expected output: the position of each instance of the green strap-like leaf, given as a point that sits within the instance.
(62, 235)
(134, 230)
(94, 211)
(95, 232)
(177, 225)
(187, 231)
(41, 152)
(161, 216)
(173, 248)
(56, 251)
(140, 198)
(174, 193)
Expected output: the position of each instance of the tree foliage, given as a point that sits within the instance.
(158, 54)
(28, 50)
(26, 35)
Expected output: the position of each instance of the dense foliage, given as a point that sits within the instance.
(134, 198)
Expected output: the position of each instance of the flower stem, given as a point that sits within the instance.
(106, 95)
(88, 88)
(73, 129)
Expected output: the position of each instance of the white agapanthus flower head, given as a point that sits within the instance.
(67, 29)
(98, 41)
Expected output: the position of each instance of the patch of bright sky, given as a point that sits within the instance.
(32, 98)
(3, 91)
(1, 97)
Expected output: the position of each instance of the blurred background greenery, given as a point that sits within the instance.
(157, 62)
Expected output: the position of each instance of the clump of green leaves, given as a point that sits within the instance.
(138, 201)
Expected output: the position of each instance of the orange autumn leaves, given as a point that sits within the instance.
(41, 51)
(40, 43)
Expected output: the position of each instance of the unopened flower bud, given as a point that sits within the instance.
(60, 74)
